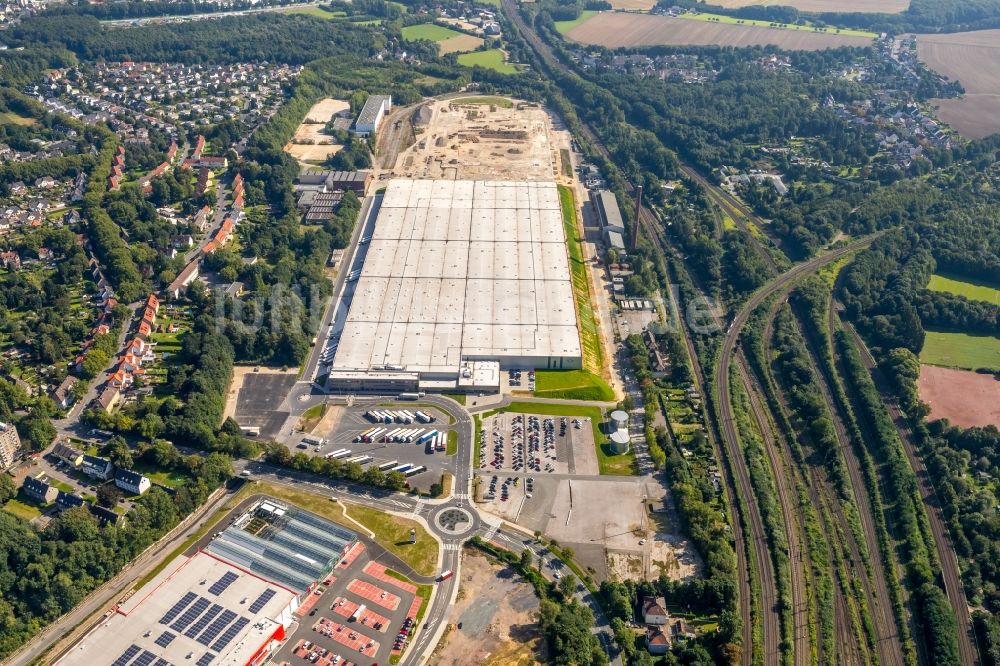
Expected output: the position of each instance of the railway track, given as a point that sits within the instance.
(889, 642)
(950, 573)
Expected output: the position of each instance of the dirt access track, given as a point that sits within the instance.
(616, 30)
(973, 59)
(965, 398)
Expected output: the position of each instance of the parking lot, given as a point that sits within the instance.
(361, 615)
(537, 445)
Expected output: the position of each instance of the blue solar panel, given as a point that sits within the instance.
(213, 631)
(127, 655)
(265, 596)
(145, 659)
(219, 586)
(230, 634)
(162, 662)
(178, 607)
(203, 621)
(205, 659)
(165, 638)
(197, 608)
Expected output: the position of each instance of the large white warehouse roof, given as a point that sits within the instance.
(463, 270)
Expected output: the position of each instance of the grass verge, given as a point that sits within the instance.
(961, 350)
(572, 385)
(486, 100)
(491, 59)
(452, 443)
(394, 533)
(590, 337)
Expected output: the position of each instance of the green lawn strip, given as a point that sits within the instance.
(590, 341)
(452, 443)
(429, 31)
(961, 350)
(22, 507)
(490, 59)
(457, 397)
(610, 464)
(572, 385)
(565, 26)
(315, 11)
(394, 533)
(477, 425)
(971, 289)
(169, 478)
(490, 100)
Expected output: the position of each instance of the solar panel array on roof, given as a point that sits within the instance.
(145, 659)
(230, 634)
(162, 662)
(189, 616)
(212, 632)
(165, 638)
(264, 597)
(205, 659)
(127, 655)
(219, 586)
(178, 607)
(203, 621)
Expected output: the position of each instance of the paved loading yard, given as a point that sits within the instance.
(325, 624)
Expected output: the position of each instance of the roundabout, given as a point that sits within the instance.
(453, 521)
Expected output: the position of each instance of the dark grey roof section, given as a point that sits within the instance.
(128, 476)
(371, 109)
(611, 215)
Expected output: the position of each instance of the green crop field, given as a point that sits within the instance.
(572, 385)
(316, 11)
(961, 350)
(491, 59)
(976, 291)
(429, 31)
(565, 26)
(806, 27)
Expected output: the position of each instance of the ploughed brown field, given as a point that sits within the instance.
(614, 30)
(963, 397)
(880, 6)
(974, 59)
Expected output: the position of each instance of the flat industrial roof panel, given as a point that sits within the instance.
(424, 300)
(380, 333)
(403, 302)
(451, 301)
(443, 189)
(397, 196)
(527, 301)
(368, 297)
(479, 298)
(563, 341)
(417, 343)
(477, 339)
(463, 193)
(356, 344)
(506, 306)
(553, 263)
(420, 193)
(456, 260)
(446, 349)
(506, 224)
(507, 338)
(390, 222)
(526, 260)
(547, 226)
(484, 194)
(436, 227)
(459, 224)
(556, 305)
(396, 339)
(548, 198)
(479, 262)
(482, 226)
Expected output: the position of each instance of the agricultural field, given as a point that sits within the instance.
(315, 11)
(965, 398)
(860, 6)
(618, 30)
(961, 350)
(494, 59)
(565, 26)
(448, 40)
(11, 118)
(972, 58)
(975, 291)
(633, 5)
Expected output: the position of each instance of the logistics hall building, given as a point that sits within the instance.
(459, 279)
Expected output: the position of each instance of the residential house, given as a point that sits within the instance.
(109, 398)
(654, 611)
(145, 330)
(131, 482)
(680, 631)
(68, 454)
(63, 394)
(10, 445)
(10, 260)
(657, 641)
(99, 468)
(39, 489)
(104, 516)
(65, 500)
